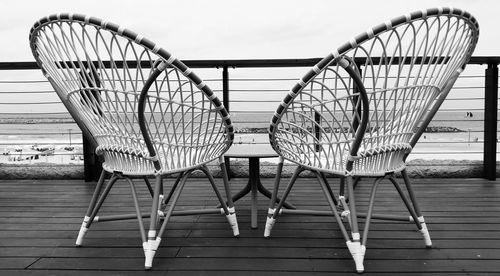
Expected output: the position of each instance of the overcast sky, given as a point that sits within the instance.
(235, 29)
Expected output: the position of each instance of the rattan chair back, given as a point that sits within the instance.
(98, 69)
(406, 68)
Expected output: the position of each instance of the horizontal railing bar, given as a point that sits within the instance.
(441, 111)
(425, 141)
(242, 63)
(318, 89)
(330, 78)
(467, 87)
(447, 152)
(22, 65)
(25, 81)
(28, 92)
(52, 144)
(28, 103)
(38, 123)
(62, 133)
(265, 79)
(264, 90)
(447, 110)
(38, 114)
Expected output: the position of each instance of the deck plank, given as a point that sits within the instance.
(39, 220)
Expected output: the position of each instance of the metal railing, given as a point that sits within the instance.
(251, 90)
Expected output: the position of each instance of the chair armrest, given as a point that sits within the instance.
(140, 113)
(360, 131)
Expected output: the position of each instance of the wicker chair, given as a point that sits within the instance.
(103, 74)
(359, 112)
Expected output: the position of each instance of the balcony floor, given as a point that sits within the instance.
(39, 220)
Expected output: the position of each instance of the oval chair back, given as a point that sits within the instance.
(402, 71)
(99, 69)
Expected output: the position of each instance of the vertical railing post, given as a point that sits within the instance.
(92, 166)
(490, 121)
(225, 102)
(225, 87)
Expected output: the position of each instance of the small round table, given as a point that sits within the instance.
(253, 152)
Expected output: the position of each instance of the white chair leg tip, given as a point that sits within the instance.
(78, 242)
(81, 235)
(358, 254)
(236, 232)
(425, 234)
(148, 262)
(233, 222)
(149, 252)
(358, 260)
(269, 226)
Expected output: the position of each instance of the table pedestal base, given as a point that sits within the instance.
(254, 185)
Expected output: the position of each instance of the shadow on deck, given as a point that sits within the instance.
(39, 221)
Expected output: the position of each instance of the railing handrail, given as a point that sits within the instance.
(241, 63)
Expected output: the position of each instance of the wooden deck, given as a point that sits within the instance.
(39, 220)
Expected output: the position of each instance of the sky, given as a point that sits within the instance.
(235, 29)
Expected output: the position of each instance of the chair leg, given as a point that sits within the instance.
(137, 210)
(355, 247)
(329, 188)
(148, 185)
(103, 196)
(356, 182)
(163, 200)
(419, 222)
(154, 236)
(228, 211)
(271, 218)
(333, 205)
(274, 195)
(342, 202)
(424, 231)
(231, 216)
(225, 179)
(153, 242)
(151, 192)
(371, 203)
(342, 187)
(97, 206)
(345, 213)
(97, 191)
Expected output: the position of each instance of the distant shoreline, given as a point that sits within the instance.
(14, 121)
(429, 129)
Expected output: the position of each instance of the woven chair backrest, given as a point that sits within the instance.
(405, 65)
(98, 70)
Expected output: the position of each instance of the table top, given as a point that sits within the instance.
(251, 150)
